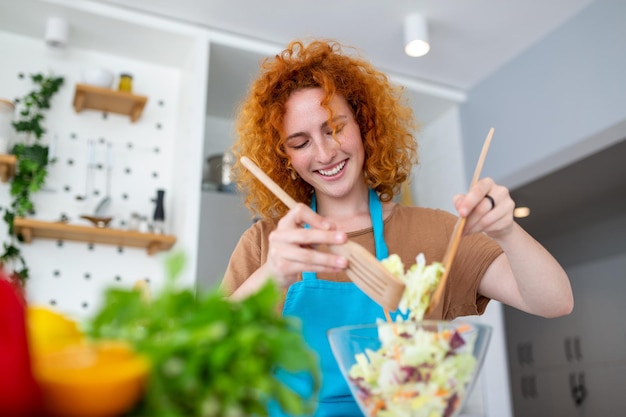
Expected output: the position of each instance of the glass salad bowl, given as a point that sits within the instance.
(411, 368)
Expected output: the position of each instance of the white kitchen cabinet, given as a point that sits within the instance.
(603, 328)
(541, 393)
(224, 218)
(585, 392)
(538, 343)
(549, 358)
(605, 391)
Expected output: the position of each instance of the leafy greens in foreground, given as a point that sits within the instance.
(210, 356)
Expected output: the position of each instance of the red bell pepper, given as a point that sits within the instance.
(19, 393)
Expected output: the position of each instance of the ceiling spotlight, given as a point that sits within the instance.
(521, 212)
(416, 41)
(57, 32)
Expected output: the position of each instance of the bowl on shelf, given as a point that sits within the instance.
(411, 369)
(99, 77)
(83, 380)
(99, 222)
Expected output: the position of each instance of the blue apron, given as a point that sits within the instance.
(322, 305)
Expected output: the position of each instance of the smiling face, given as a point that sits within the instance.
(332, 165)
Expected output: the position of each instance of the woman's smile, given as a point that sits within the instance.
(331, 172)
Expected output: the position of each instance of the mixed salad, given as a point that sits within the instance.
(421, 369)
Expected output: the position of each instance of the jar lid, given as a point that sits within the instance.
(125, 74)
(7, 103)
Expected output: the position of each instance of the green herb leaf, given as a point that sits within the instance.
(210, 356)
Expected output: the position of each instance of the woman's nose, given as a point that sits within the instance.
(326, 149)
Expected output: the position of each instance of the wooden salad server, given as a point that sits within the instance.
(363, 268)
(453, 245)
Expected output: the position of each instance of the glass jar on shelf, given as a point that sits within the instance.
(7, 109)
(126, 83)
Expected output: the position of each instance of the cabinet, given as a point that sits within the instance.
(223, 220)
(535, 342)
(30, 229)
(108, 100)
(7, 167)
(574, 365)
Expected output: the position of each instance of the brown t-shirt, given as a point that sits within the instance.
(408, 231)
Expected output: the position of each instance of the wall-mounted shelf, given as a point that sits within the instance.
(7, 167)
(108, 100)
(30, 229)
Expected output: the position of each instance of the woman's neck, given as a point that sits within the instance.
(350, 212)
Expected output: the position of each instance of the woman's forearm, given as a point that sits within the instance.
(528, 277)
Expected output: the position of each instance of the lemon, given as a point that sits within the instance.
(49, 330)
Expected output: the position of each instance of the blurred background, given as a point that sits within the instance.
(549, 76)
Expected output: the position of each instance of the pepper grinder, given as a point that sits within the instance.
(158, 220)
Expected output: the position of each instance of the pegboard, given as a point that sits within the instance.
(71, 276)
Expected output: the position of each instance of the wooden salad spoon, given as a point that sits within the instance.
(453, 245)
(363, 268)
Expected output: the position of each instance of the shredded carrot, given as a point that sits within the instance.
(405, 394)
(464, 328)
(396, 353)
(380, 404)
(388, 317)
(444, 334)
(441, 392)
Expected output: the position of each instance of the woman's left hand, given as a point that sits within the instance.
(526, 276)
(488, 208)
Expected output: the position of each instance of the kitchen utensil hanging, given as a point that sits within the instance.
(104, 204)
(90, 166)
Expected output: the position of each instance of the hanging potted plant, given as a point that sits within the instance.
(31, 167)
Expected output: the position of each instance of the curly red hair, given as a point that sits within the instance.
(384, 118)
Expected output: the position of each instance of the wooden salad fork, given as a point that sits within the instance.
(363, 268)
(453, 245)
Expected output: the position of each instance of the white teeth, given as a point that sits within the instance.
(334, 171)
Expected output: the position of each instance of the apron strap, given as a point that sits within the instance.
(376, 214)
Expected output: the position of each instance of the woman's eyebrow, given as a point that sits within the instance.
(294, 135)
(323, 126)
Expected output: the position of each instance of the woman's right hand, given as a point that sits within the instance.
(292, 247)
(292, 250)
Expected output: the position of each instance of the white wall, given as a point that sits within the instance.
(440, 173)
(549, 104)
(71, 275)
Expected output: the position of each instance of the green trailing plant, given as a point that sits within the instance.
(31, 165)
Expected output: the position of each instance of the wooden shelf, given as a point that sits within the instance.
(30, 229)
(108, 100)
(7, 167)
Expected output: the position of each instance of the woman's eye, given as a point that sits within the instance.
(299, 145)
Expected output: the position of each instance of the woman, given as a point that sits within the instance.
(337, 136)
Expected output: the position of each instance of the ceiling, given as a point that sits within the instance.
(470, 39)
